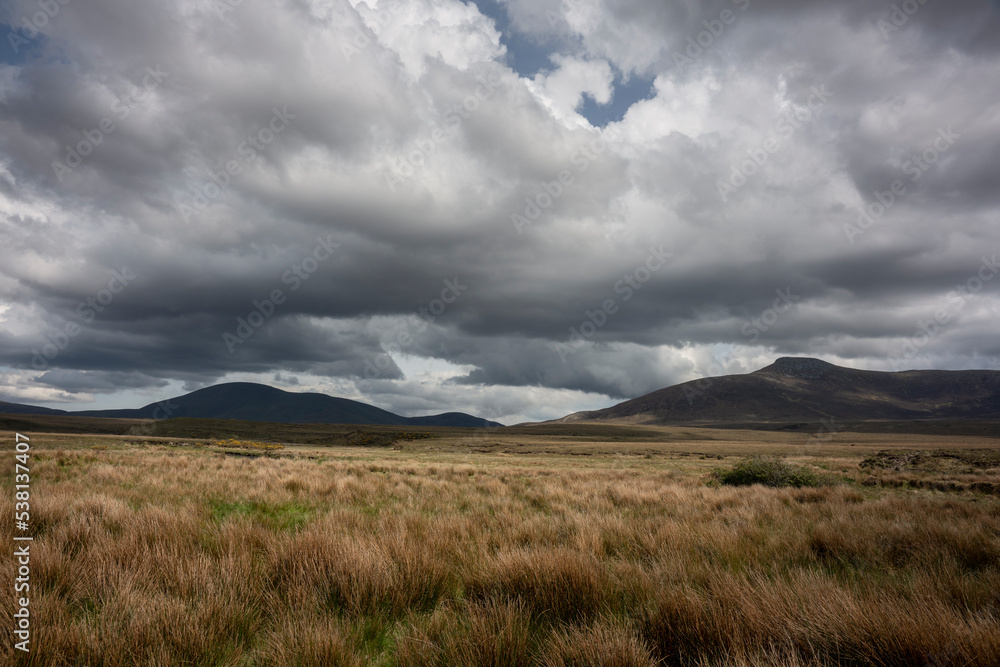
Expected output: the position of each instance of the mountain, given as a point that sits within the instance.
(452, 419)
(258, 402)
(22, 409)
(802, 389)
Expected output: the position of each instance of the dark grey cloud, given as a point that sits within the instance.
(408, 151)
(98, 382)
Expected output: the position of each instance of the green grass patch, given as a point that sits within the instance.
(285, 516)
(377, 638)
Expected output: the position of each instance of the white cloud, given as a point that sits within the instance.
(449, 30)
(562, 89)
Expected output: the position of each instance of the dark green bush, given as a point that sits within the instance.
(769, 471)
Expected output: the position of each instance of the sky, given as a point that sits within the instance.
(513, 208)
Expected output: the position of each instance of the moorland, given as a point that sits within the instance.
(212, 542)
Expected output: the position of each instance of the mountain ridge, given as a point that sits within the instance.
(250, 401)
(807, 389)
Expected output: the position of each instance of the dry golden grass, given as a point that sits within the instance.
(157, 555)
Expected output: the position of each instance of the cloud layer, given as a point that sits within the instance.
(365, 198)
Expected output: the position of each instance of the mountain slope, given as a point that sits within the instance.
(801, 389)
(22, 409)
(261, 403)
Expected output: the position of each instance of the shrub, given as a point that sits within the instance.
(769, 471)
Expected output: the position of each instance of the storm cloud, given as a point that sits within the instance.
(517, 209)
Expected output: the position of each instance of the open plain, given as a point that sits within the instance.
(537, 545)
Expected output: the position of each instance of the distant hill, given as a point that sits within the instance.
(22, 409)
(809, 390)
(452, 419)
(248, 401)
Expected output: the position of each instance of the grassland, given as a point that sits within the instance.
(554, 545)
